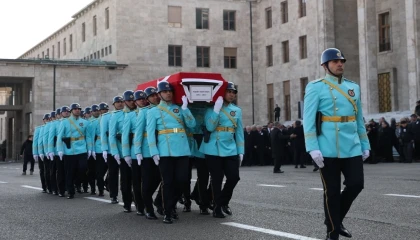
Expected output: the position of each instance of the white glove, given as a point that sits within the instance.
(51, 154)
(89, 154)
(41, 156)
(117, 158)
(94, 155)
(139, 158)
(156, 158)
(36, 158)
(60, 154)
(365, 155)
(317, 157)
(128, 160)
(241, 157)
(184, 102)
(105, 155)
(218, 104)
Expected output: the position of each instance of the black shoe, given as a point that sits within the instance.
(344, 232)
(167, 219)
(187, 206)
(50, 192)
(114, 200)
(217, 213)
(140, 212)
(79, 191)
(101, 194)
(204, 211)
(315, 169)
(175, 215)
(44, 191)
(226, 209)
(151, 216)
(61, 195)
(92, 193)
(55, 193)
(182, 200)
(127, 209)
(278, 171)
(302, 166)
(85, 190)
(160, 211)
(296, 166)
(70, 196)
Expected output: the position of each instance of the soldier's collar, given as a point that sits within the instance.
(163, 103)
(334, 79)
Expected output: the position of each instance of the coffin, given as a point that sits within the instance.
(198, 87)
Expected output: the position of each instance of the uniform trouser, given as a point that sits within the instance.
(26, 160)
(220, 167)
(91, 173)
(47, 175)
(406, 151)
(61, 176)
(202, 181)
(42, 174)
(53, 173)
(126, 184)
(186, 190)
(75, 166)
(113, 172)
(174, 171)
(136, 174)
(150, 181)
(336, 204)
(101, 168)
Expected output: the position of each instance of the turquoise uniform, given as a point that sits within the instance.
(96, 134)
(129, 127)
(45, 135)
(35, 141)
(222, 140)
(141, 145)
(52, 134)
(40, 140)
(78, 131)
(104, 131)
(338, 139)
(115, 128)
(169, 121)
(198, 114)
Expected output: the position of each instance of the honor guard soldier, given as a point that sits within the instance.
(37, 153)
(335, 137)
(61, 173)
(115, 137)
(170, 150)
(51, 149)
(74, 143)
(88, 113)
(100, 166)
(42, 148)
(91, 163)
(128, 149)
(113, 164)
(150, 174)
(222, 148)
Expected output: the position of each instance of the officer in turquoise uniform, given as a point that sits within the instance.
(150, 174)
(113, 164)
(51, 149)
(115, 138)
(100, 164)
(91, 163)
(37, 153)
(336, 139)
(170, 150)
(61, 173)
(225, 148)
(43, 145)
(73, 145)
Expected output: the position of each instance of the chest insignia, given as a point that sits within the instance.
(176, 110)
(81, 124)
(351, 93)
(232, 113)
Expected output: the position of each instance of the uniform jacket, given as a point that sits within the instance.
(224, 143)
(337, 139)
(195, 134)
(104, 130)
(170, 144)
(70, 127)
(35, 141)
(115, 128)
(45, 135)
(141, 145)
(40, 139)
(52, 134)
(96, 133)
(129, 126)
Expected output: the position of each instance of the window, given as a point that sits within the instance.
(284, 12)
(203, 56)
(268, 18)
(175, 56)
(48, 52)
(71, 42)
(269, 53)
(64, 47)
(303, 83)
(94, 25)
(384, 32)
(83, 32)
(202, 18)
(110, 49)
(229, 20)
(286, 100)
(102, 52)
(285, 46)
(302, 47)
(106, 51)
(230, 57)
(302, 8)
(91, 56)
(94, 55)
(43, 56)
(38, 56)
(58, 49)
(106, 18)
(97, 54)
(53, 51)
(174, 16)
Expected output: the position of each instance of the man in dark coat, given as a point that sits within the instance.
(248, 147)
(26, 151)
(278, 141)
(298, 144)
(416, 131)
(260, 144)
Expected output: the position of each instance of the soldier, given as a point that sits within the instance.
(37, 153)
(115, 137)
(100, 164)
(113, 164)
(150, 174)
(226, 143)
(339, 144)
(91, 163)
(51, 149)
(170, 150)
(74, 147)
(43, 154)
(128, 149)
(87, 113)
(61, 174)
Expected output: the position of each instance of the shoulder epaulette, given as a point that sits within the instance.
(316, 81)
(345, 79)
(115, 111)
(126, 110)
(105, 114)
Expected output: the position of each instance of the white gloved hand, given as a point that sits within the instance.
(41, 156)
(94, 155)
(241, 157)
(89, 154)
(105, 155)
(184, 102)
(36, 158)
(128, 160)
(156, 158)
(51, 154)
(60, 154)
(317, 157)
(218, 104)
(117, 158)
(139, 158)
(365, 155)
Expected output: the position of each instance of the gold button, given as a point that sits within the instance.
(331, 88)
(335, 98)
(336, 109)
(338, 129)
